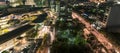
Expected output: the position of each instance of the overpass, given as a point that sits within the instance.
(8, 40)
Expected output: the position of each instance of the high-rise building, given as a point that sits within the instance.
(113, 21)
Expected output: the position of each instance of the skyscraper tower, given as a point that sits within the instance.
(113, 21)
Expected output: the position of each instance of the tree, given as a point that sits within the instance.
(5, 52)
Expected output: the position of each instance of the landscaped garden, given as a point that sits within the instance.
(69, 38)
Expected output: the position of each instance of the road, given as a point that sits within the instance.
(9, 44)
(21, 29)
(14, 33)
(105, 42)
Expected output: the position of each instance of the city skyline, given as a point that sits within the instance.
(59, 26)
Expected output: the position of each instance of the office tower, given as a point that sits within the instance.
(113, 22)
